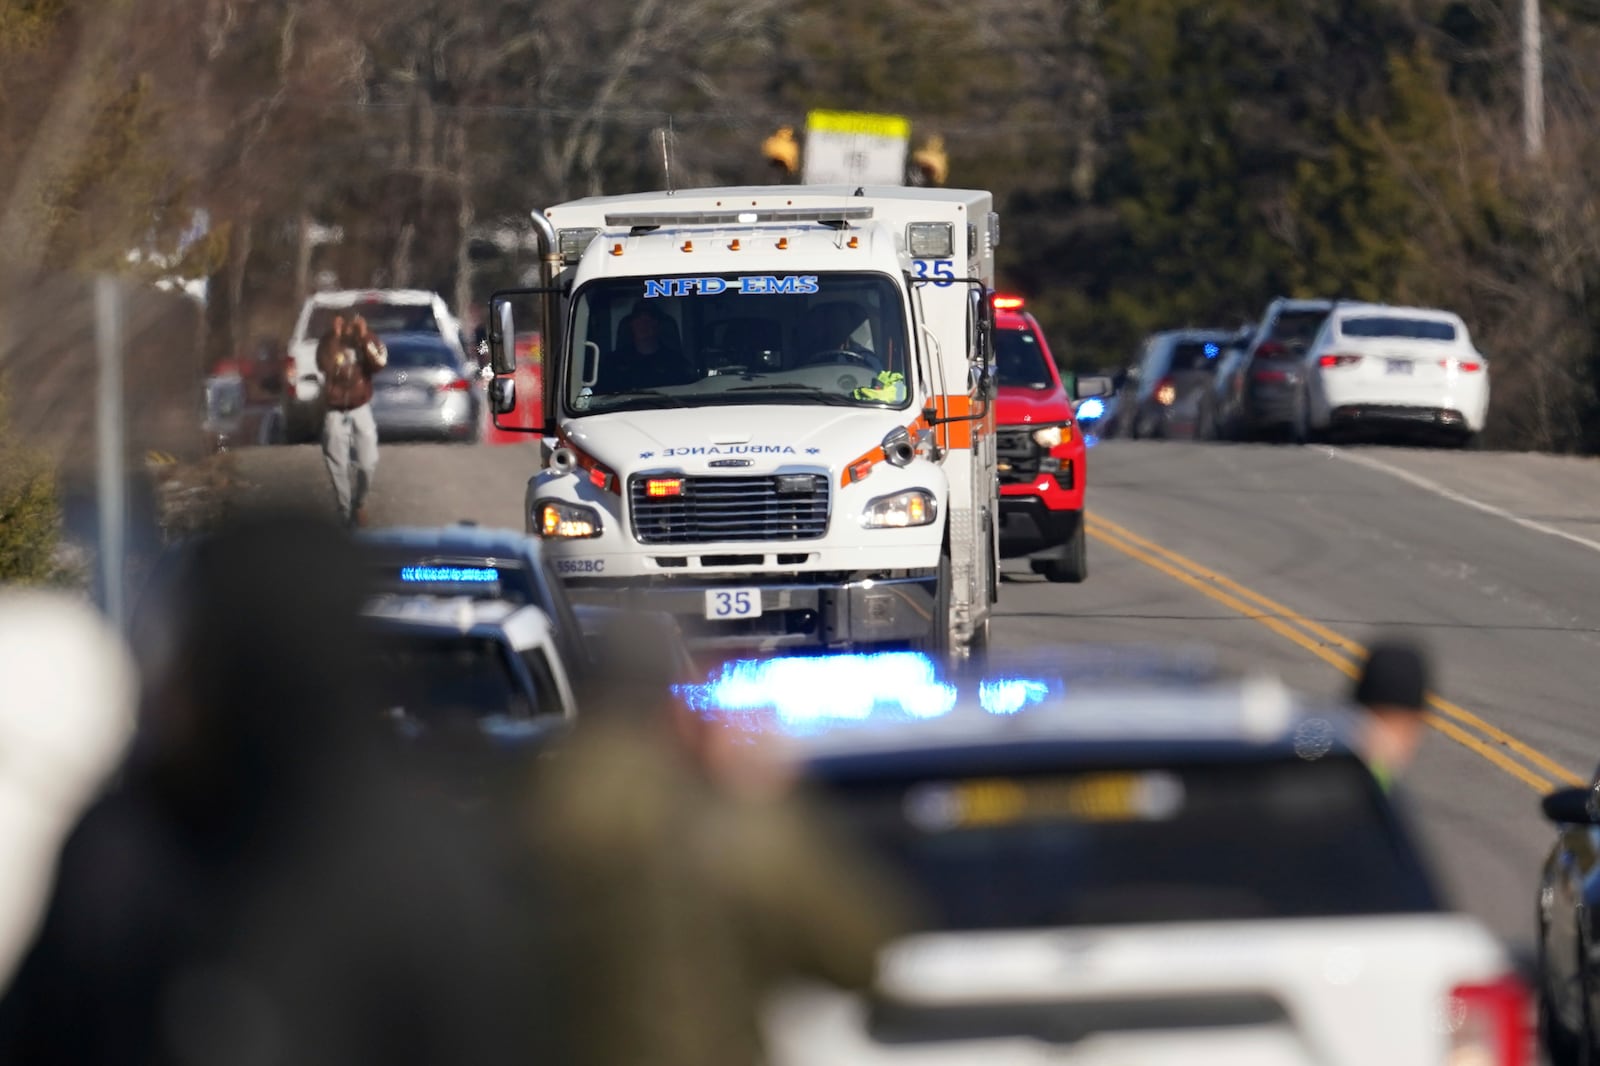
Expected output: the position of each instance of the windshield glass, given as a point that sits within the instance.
(749, 339)
(1149, 844)
(1417, 329)
(381, 318)
(1196, 355)
(448, 683)
(415, 356)
(1291, 327)
(1019, 359)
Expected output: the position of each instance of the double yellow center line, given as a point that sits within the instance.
(1532, 767)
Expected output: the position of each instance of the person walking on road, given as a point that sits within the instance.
(348, 356)
(1393, 688)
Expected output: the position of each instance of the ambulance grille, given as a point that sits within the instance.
(712, 510)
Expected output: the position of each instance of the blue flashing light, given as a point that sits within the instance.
(1212, 351)
(1010, 695)
(450, 575)
(1090, 440)
(1093, 407)
(813, 690)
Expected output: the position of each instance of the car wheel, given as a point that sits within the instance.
(1300, 431)
(1562, 1046)
(1071, 566)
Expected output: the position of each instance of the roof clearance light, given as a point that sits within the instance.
(1008, 303)
(811, 691)
(930, 240)
(574, 242)
(449, 575)
(671, 486)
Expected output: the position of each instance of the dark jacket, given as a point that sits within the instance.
(261, 886)
(348, 370)
(681, 909)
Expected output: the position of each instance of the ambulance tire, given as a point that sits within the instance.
(937, 643)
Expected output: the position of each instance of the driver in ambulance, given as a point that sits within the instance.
(837, 333)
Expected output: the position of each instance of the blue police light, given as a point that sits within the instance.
(813, 690)
(449, 575)
(1010, 695)
(1093, 407)
(1212, 350)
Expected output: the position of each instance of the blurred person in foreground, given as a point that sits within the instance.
(260, 888)
(65, 722)
(349, 355)
(1393, 689)
(689, 879)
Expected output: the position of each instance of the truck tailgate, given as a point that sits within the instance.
(1340, 992)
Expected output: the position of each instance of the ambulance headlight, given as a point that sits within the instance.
(914, 507)
(557, 520)
(930, 240)
(574, 242)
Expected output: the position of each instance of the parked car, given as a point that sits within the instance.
(428, 391)
(1569, 929)
(1254, 393)
(1393, 370)
(231, 421)
(387, 311)
(1162, 397)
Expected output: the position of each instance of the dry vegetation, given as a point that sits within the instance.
(1159, 162)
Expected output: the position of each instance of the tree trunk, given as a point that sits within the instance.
(238, 260)
(302, 259)
(466, 216)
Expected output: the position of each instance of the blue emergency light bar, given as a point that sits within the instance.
(813, 690)
(449, 575)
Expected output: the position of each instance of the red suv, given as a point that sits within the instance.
(1041, 453)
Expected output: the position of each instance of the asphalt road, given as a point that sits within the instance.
(1286, 559)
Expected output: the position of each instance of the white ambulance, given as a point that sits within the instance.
(769, 411)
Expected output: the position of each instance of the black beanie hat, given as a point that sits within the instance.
(1396, 675)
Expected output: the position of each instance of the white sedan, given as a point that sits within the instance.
(1393, 368)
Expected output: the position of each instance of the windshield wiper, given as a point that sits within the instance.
(796, 386)
(640, 394)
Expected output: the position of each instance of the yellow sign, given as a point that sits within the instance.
(859, 122)
(1100, 797)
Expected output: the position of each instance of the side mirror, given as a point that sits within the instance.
(1570, 806)
(1094, 387)
(503, 395)
(503, 338)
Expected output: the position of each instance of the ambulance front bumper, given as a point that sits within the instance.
(719, 615)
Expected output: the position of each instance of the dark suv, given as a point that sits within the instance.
(1254, 391)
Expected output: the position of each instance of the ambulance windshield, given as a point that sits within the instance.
(643, 343)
